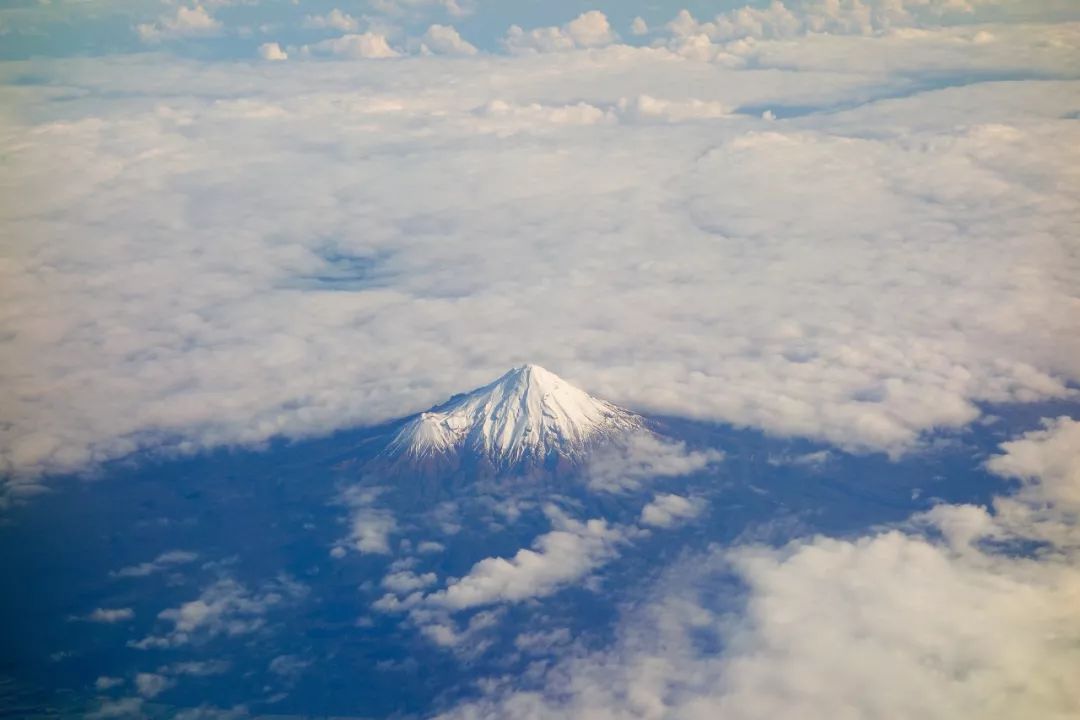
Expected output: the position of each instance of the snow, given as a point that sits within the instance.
(527, 414)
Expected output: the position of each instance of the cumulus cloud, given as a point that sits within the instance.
(151, 684)
(288, 665)
(648, 107)
(120, 708)
(111, 615)
(857, 276)
(165, 560)
(796, 17)
(1048, 461)
(557, 558)
(189, 21)
(423, 7)
(644, 456)
(333, 20)
(226, 607)
(445, 40)
(430, 547)
(668, 509)
(938, 619)
(370, 526)
(355, 46)
(272, 51)
(590, 29)
(406, 581)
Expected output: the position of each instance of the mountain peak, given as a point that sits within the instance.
(528, 415)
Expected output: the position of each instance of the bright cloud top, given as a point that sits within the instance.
(855, 275)
(561, 556)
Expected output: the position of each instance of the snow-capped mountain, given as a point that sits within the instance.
(529, 416)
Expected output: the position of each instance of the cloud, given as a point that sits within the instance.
(151, 685)
(667, 510)
(333, 20)
(644, 456)
(646, 107)
(590, 29)
(224, 608)
(1048, 461)
(111, 615)
(406, 581)
(779, 20)
(272, 51)
(288, 665)
(121, 708)
(557, 558)
(370, 527)
(944, 617)
(189, 21)
(163, 561)
(445, 40)
(429, 547)
(196, 668)
(104, 682)
(850, 272)
(356, 46)
(423, 7)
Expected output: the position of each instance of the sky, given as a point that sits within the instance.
(235, 221)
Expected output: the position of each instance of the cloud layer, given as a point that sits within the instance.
(266, 251)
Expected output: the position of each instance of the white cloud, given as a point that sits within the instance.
(288, 665)
(189, 21)
(272, 51)
(429, 547)
(423, 7)
(333, 20)
(855, 276)
(356, 46)
(371, 530)
(406, 581)
(111, 615)
(639, 26)
(648, 107)
(667, 510)
(644, 456)
(590, 29)
(104, 682)
(121, 708)
(445, 40)
(196, 668)
(893, 624)
(559, 557)
(224, 608)
(151, 684)
(799, 17)
(163, 561)
(1048, 461)
(370, 527)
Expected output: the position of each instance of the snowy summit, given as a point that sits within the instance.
(527, 416)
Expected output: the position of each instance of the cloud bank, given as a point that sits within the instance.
(895, 248)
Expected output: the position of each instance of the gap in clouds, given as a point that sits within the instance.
(254, 517)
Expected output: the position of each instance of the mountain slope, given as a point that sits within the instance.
(528, 416)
